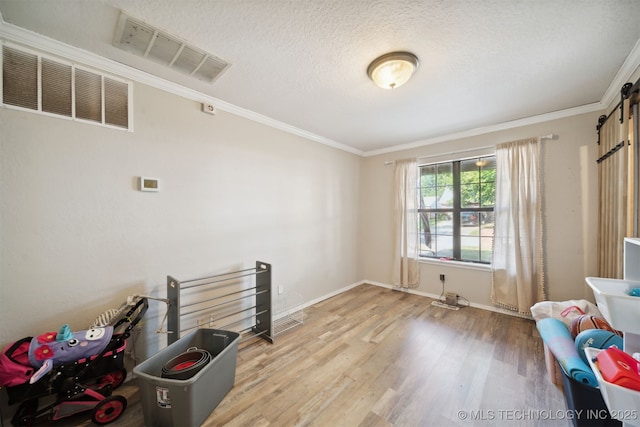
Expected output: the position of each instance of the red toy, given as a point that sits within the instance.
(619, 368)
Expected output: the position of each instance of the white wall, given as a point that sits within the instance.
(570, 197)
(77, 237)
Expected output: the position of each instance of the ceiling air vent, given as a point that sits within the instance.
(143, 40)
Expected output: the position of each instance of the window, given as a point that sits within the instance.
(456, 209)
(37, 83)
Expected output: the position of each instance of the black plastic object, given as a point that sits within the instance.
(186, 365)
(587, 405)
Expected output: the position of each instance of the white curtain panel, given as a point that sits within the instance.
(405, 223)
(613, 197)
(517, 275)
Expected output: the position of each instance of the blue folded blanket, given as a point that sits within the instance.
(557, 337)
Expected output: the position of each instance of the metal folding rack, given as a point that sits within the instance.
(239, 301)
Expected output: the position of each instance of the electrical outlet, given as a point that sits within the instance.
(280, 290)
(442, 277)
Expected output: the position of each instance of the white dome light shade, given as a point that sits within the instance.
(392, 70)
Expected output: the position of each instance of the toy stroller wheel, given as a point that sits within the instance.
(115, 378)
(26, 413)
(108, 409)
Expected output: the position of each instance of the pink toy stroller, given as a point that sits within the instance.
(72, 387)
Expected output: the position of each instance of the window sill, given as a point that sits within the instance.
(456, 264)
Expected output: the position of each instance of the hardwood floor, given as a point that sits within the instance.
(376, 357)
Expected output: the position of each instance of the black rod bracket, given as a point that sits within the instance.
(625, 91)
(601, 121)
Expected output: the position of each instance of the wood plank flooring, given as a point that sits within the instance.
(376, 357)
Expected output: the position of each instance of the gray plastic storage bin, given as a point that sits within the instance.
(168, 402)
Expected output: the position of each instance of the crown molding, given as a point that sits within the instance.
(30, 39)
(629, 66)
(569, 112)
(50, 46)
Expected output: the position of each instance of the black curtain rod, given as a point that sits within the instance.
(627, 90)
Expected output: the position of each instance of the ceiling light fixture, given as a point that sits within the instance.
(392, 70)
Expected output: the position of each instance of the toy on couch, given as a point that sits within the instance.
(80, 369)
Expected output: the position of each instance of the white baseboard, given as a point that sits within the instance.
(322, 298)
(408, 290)
(437, 297)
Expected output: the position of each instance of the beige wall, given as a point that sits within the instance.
(77, 236)
(570, 191)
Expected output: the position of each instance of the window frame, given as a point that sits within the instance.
(456, 210)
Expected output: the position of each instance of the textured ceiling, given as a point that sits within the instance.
(303, 62)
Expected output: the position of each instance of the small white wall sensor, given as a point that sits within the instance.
(149, 184)
(208, 108)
